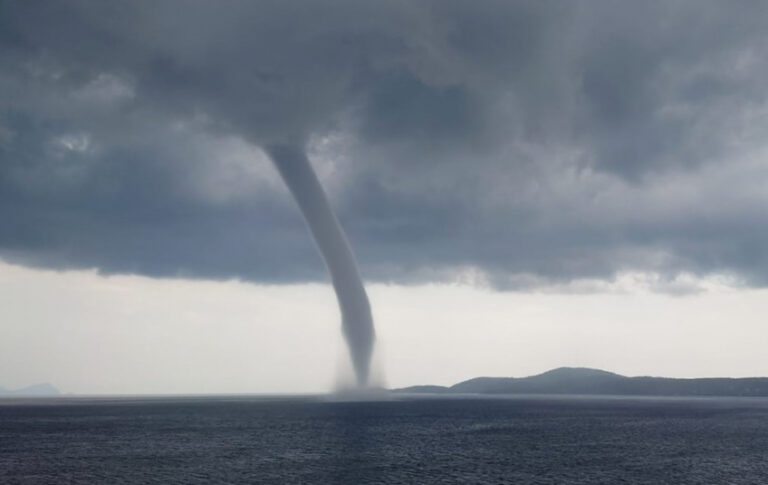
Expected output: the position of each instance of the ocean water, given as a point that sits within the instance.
(523, 440)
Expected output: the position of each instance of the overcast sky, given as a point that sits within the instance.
(544, 181)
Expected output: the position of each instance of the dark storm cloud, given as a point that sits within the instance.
(533, 141)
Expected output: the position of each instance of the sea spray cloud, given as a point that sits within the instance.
(517, 144)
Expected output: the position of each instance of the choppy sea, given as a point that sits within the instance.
(414, 440)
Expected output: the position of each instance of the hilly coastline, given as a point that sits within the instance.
(37, 390)
(577, 380)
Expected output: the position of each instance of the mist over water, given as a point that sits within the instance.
(356, 319)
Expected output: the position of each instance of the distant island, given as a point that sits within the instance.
(579, 380)
(37, 390)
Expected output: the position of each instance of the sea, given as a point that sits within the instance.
(403, 440)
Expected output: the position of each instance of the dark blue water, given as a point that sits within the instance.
(419, 441)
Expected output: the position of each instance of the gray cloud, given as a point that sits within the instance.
(532, 141)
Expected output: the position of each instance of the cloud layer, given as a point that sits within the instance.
(513, 143)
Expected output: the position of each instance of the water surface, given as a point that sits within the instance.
(521, 440)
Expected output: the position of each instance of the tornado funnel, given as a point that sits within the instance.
(356, 319)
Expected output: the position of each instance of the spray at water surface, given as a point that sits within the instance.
(356, 319)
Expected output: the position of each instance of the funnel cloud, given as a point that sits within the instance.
(356, 320)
